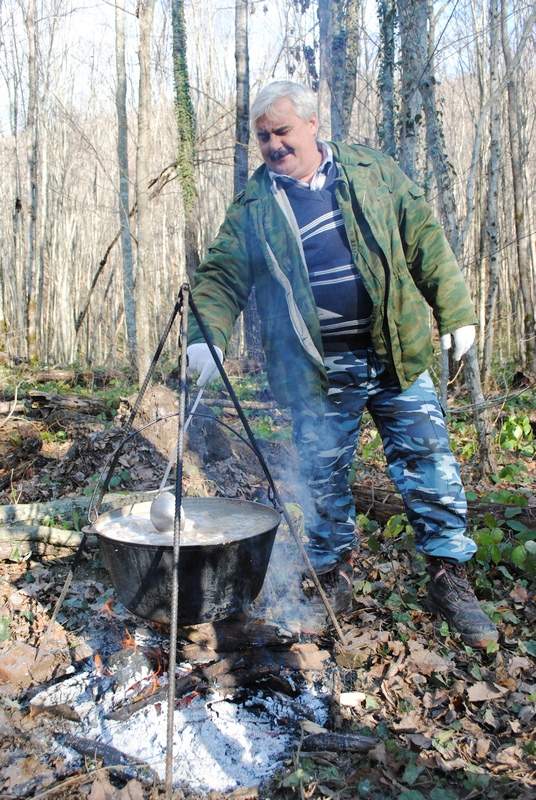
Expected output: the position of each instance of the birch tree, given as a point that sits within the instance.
(250, 318)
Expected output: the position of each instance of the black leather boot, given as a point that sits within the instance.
(451, 595)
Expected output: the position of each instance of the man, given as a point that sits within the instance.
(346, 259)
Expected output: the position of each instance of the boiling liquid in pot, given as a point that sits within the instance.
(204, 523)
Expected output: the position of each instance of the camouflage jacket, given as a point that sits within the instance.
(400, 249)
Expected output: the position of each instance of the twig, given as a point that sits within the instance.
(13, 407)
(493, 401)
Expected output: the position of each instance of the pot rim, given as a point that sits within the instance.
(272, 518)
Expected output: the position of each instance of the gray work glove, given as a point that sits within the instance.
(200, 361)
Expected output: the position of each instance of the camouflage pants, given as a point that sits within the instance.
(416, 446)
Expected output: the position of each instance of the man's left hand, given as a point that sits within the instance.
(463, 339)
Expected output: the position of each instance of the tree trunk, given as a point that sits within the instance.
(350, 64)
(435, 142)
(146, 11)
(412, 16)
(185, 116)
(486, 452)
(386, 75)
(492, 212)
(520, 220)
(32, 127)
(344, 53)
(324, 57)
(129, 299)
(242, 95)
(251, 318)
(447, 206)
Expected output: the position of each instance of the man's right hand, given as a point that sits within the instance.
(200, 361)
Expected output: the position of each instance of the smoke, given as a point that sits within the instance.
(283, 600)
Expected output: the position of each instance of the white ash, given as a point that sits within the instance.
(218, 745)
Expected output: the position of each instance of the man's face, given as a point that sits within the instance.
(288, 142)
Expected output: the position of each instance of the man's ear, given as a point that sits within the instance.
(314, 122)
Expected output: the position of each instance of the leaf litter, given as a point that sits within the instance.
(451, 722)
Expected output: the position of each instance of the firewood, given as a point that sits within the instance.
(339, 742)
(110, 757)
(230, 635)
(183, 686)
(253, 405)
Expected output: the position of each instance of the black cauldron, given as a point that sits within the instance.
(217, 578)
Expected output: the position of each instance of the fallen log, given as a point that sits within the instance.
(67, 402)
(12, 407)
(253, 405)
(41, 533)
(20, 541)
(66, 507)
(382, 504)
(56, 375)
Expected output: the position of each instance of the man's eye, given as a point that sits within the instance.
(263, 137)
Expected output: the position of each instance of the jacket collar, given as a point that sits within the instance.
(260, 183)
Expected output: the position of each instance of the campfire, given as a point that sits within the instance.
(244, 688)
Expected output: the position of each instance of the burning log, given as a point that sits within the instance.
(231, 635)
(339, 742)
(111, 757)
(183, 686)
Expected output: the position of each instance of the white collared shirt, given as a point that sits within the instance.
(319, 178)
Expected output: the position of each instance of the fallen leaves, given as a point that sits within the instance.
(482, 691)
(425, 661)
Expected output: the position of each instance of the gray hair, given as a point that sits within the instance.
(302, 98)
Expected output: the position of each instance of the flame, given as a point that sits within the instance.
(128, 642)
(106, 608)
(187, 699)
(155, 684)
(98, 664)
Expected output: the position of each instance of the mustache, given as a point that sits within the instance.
(277, 155)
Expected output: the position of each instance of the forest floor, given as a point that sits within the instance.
(450, 722)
